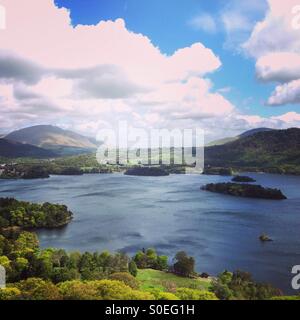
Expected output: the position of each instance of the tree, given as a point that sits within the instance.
(162, 262)
(87, 262)
(141, 260)
(133, 270)
(5, 262)
(184, 265)
(149, 259)
(27, 241)
(38, 289)
(191, 294)
(64, 274)
(77, 290)
(10, 294)
(41, 264)
(116, 290)
(21, 264)
(74, 259)
(126, 278)
(4, 223)
(2, 243)
(166, 296)
(240, 286)
(60, 258)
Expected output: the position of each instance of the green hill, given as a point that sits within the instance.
(12, 149)
(269, 149)
(243, 135)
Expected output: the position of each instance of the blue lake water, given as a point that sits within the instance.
(116, 212)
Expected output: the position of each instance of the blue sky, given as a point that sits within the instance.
(167, 24)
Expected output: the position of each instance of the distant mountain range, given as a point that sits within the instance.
(261, 149)
(61, 142)
(243, 135)
(13, 149)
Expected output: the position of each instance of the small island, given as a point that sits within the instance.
(243, 179)
(245, 190)
(265, 238)
(27, 215)
(217, 171)
(147, 172)
(68, 171)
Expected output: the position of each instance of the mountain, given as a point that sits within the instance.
(254, 131)
(231, 139)
(264, 149)
(13, 149)
(221, 141)
(54, 138)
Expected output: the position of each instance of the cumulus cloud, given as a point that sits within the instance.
(291, 117)
(235, 18)
(196, 100)
(288, 93)
(14, 68)
(102, 82)
(89, 77)
(279, 67)
(278, 56)
(22, 92)
(284, 121)
(100, 73)
(275, 33)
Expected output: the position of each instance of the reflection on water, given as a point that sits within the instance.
(116, 212)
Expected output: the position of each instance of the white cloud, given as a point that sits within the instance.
(205, 22)
(275, 43)
(238, 19)
(288, 93)
(291, 118)
(278, 66)
(275, 33)
(88, 75)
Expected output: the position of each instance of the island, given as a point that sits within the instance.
(147, 172)
(14, 171)
(27, 215)
(68, 171)
(265, 238)
(242, 179)
(245, 190)
(217, 171)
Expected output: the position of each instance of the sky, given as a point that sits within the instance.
(225, 66)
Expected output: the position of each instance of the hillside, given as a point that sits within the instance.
(276, 148)
(243, 135)
(54, 138)
(12, 149)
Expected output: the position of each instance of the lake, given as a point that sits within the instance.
(116, 212)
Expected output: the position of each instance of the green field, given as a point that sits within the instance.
(152, 279)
